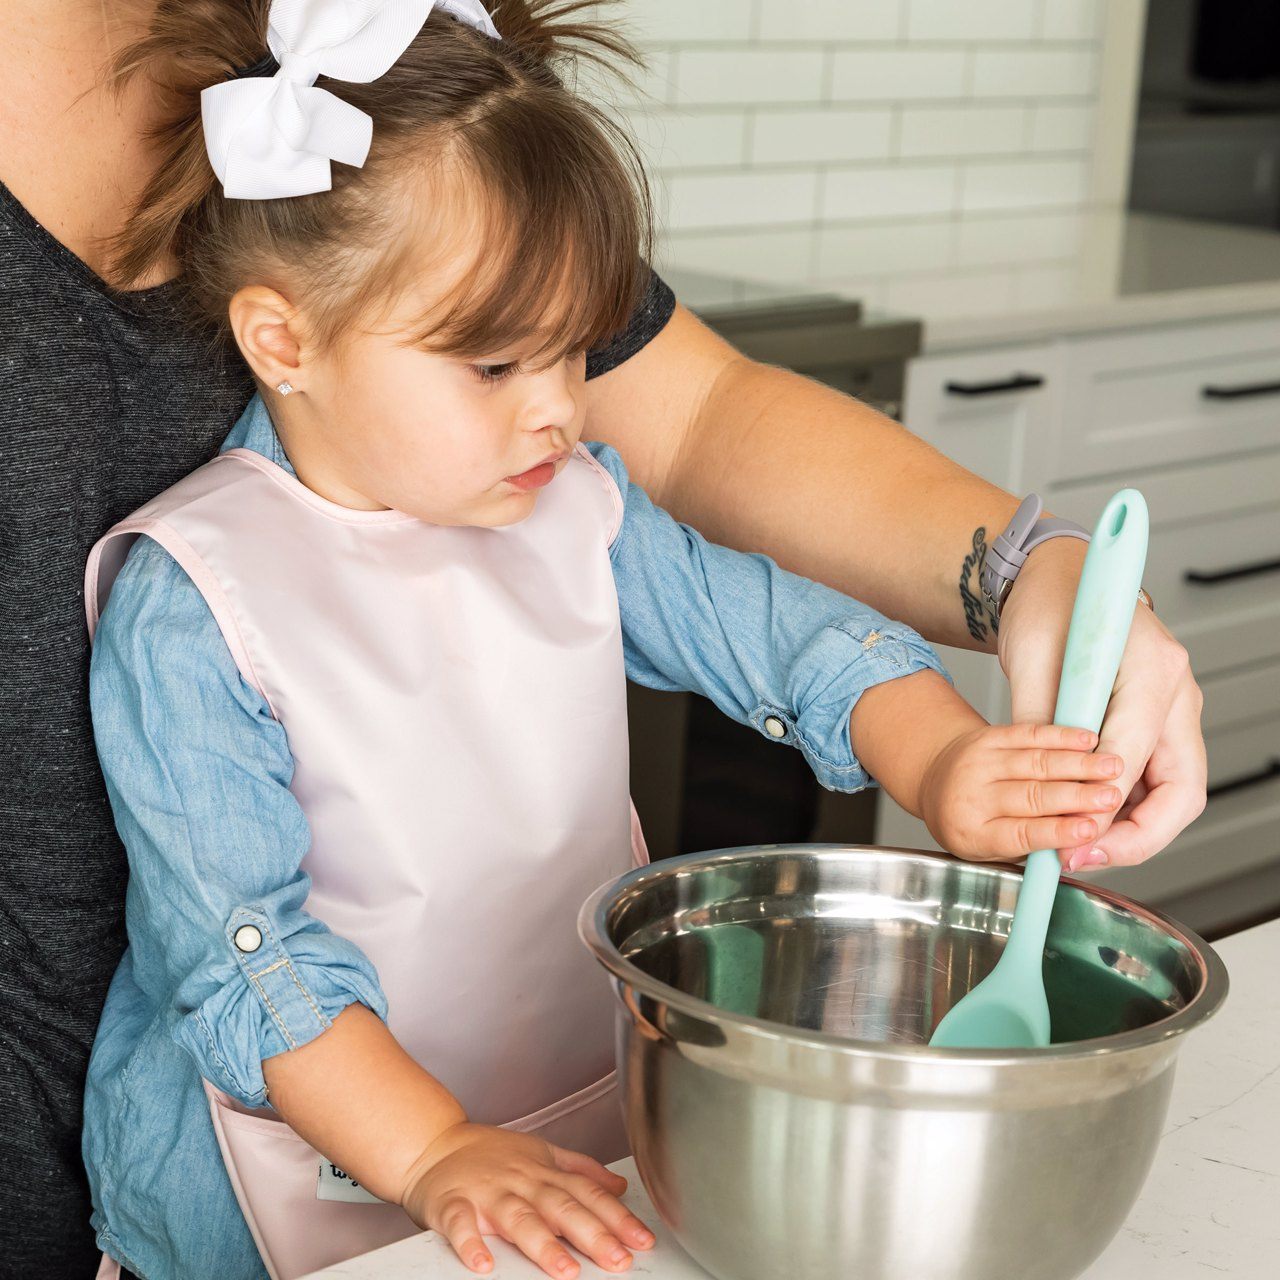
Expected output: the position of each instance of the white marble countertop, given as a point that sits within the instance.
(1114, 270)
(1211, 1204)
(1016, 278)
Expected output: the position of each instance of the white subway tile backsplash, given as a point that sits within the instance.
(897, 75)
(815, 135)
(682, 21)
(971, 20)
(825, 20)
(775, 255)
(1062, 127)
(959, 294)
(867, 141)
(643, 89)
(888, 192)
(888, 248)
(1028, 237)
(742, 199)
(1023, 184)
(1034, 73)
(1074, 19)
(962, 130)
(750, 76)
(675, 140)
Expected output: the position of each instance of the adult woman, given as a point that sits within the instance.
(87, 427)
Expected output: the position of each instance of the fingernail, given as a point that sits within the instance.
(1073, 862)
(1110, 797)
(1115, 766)
(1083, 830)
(1096, 858)
(566, 1266)
(1085, 737)
(646, 1238)
(618, 1255)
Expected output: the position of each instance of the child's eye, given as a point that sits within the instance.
(494, 372)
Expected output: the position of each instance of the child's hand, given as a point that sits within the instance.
(476, 1179)
(1002, 791)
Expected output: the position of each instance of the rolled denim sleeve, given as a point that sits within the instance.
(198, 772)
(776, 651)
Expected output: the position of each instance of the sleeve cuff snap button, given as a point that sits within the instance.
(248, 938)
(774, 727)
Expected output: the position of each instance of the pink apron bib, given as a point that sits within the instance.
(455, 705)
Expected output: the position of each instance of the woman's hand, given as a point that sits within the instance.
(474, 1179)
(1001, 791)
(1152, 723)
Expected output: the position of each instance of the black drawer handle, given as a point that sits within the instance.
(1202, 579)
(1268, 771)
(1241, 392)
(1019, 382)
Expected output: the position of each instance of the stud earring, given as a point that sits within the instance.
(284, 388)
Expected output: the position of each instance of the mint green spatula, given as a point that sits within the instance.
(1008, 1009)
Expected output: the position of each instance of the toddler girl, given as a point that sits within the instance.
(358, 683)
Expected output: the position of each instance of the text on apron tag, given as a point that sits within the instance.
(333, 1184)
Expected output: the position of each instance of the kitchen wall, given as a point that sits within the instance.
(882, 147)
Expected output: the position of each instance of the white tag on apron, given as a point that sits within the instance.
(333, 1184)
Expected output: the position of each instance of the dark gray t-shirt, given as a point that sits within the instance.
(106, 398)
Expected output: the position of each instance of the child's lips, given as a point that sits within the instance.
(537, 477)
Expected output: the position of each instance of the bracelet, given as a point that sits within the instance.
(1003, 559)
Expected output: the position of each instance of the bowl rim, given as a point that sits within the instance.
(1214, 985)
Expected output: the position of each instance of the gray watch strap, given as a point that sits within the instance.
(1008, 553)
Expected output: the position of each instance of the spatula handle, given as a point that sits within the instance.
(1105, 601)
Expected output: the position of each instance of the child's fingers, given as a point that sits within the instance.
(567, 1217)
(459, 1225)
(1033, 799)
(576, 1162)
(1012, 837)
(615, 1215)
(1052, 766)
(520, 1223)
(1054, 737)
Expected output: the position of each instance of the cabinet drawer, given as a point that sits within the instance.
(1215, 581)
(1180, 494)
(1166, 395)
(1240, 699)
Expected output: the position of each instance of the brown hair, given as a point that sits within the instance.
(552, 190)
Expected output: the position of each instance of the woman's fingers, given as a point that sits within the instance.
(459, 1225)
(1033, 799)
(568, 1217)
(520, 1223)
(1171, 790)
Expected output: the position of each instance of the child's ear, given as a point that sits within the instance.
(269, 332)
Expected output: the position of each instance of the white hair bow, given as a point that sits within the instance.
(273, 137)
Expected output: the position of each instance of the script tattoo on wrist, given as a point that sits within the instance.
(978, 614)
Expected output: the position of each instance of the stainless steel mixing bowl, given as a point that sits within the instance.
(787, 1115)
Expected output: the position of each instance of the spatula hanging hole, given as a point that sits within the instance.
(1118, 523)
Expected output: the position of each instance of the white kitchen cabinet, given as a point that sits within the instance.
(1190, 415)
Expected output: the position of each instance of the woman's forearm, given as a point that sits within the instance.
(836, 491)
(356, 1096)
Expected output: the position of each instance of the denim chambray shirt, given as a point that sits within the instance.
(198, 775)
